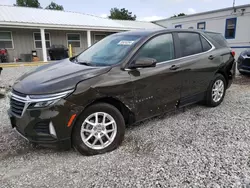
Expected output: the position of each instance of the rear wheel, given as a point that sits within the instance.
(100, 129)
(216, 91)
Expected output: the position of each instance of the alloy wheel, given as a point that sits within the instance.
(98, 130)
(218, 90)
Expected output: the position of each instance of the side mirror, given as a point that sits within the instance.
(143, 63)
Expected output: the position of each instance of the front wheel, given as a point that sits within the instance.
(216, 91)
(100, 129)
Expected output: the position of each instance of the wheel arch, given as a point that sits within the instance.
(222, 72)
(127, 113)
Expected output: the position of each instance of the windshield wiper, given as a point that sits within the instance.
(84, 63)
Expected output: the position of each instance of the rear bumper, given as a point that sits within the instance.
(231, 74)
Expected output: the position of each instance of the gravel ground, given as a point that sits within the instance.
(200, 147)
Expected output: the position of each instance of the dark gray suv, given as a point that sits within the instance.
(87, 101)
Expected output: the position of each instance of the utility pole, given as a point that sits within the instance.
(233, 3)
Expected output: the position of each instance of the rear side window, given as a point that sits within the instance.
(219, 39)
(206, 46)
(190, 44)
(160, 48)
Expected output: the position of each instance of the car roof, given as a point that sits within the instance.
(149, 32)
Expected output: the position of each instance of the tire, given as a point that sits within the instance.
(92, 132)
(210, 100)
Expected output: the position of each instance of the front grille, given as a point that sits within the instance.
(42, 127)
(246, 62)
(16, 107)
(18, 103)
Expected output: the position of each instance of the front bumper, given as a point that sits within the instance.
(243, 64)
(47, 126)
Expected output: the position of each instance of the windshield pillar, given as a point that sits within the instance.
(44, 49)
(89, 38)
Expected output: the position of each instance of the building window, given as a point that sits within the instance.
(38, 40)
(6, 40)
(201, 25)
(230, 28)
(178, 26)
(74, 39)
(98, 37)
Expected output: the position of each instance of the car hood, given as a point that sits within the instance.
(56, 77)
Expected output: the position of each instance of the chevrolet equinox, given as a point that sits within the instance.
(86, 101)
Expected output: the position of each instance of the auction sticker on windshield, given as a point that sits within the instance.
(126, 42)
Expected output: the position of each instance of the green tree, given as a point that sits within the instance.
(181, 14)
(54, 6)
(121, 14)
(28, 3)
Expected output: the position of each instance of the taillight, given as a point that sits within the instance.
(233, 53)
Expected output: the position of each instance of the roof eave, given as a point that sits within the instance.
(202, 13)
(65, 27)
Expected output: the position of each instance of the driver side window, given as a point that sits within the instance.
(160, 48)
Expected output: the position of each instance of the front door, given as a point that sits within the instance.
(156, 89)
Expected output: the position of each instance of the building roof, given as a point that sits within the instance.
(202, 13)
(138, 24)
(35, 17)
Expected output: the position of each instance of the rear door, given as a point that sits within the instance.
(156, 89)
(199, 63)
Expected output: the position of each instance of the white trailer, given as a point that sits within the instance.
(233, 23)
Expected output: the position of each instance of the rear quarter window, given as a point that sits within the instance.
(206, 46)
(218, 39)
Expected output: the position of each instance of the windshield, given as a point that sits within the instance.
(109, 51)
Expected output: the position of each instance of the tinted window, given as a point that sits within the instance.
(230, 28)
(190, 44)
(206, 46)
(219, 39)
(160, 48)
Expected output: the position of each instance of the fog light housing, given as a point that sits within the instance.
(52, 130)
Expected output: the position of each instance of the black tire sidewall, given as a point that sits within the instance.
(80, 146)
(210, 101)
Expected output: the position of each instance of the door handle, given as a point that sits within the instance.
(211, 57)
(174, 67)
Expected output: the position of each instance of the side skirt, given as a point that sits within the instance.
(191, 99)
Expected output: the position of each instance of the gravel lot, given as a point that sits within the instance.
(200, 147)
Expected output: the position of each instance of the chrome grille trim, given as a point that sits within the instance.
(25, 100)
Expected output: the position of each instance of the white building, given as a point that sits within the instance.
(232, 22)
(23, 30)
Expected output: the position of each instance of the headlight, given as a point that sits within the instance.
(41, 101)
(43, 104)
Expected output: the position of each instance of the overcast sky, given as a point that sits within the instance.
(144, 9)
